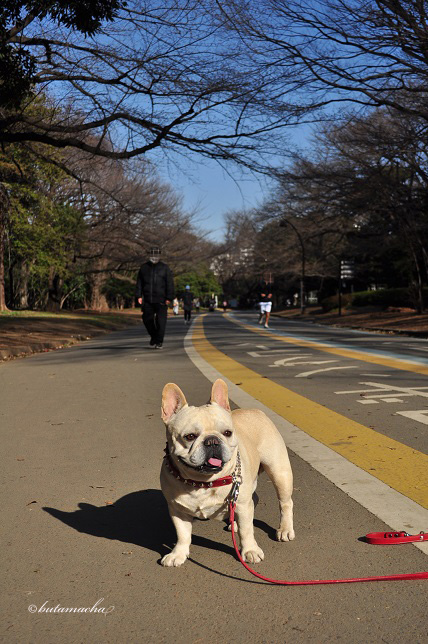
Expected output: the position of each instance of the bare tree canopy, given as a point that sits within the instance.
(370, 52)
(18, 64)
(161, 75)
(217, 78)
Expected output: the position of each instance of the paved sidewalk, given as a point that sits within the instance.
(84, 521)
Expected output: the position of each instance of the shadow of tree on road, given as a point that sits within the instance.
(140, 518)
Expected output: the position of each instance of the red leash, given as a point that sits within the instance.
(391, 538)
(376, 535)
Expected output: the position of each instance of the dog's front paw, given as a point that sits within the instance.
(253, 555)
(174, 559)
(285, 535)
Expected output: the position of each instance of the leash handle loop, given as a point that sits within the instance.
(313, 582)
(392, 538)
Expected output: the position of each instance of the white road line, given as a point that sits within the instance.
(391, 507)
(287, 362)
(421, 415)
(269, 352)
(305, 374)
(377, 375)
(380, 391)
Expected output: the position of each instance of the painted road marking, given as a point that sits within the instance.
(377, 375)
(298, 360)
(356, 354)
(380, 390)
(395, 509)
(403, 468)
(420, 415)
(268, 352)
(305, 374)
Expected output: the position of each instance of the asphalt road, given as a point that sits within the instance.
(85, 523)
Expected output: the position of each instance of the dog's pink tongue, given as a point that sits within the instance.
(215, 462)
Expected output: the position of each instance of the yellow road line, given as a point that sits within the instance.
(395, 363)
(403, 468)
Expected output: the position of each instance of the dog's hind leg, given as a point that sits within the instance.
(282, 479)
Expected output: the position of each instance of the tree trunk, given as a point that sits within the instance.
(4, 207)
(98, 299)
(22, 287)
(417, 288)
(54, 293)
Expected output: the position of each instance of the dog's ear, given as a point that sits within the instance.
(173, 400)
(219, 394)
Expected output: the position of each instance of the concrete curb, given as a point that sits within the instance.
(38, 347)
(412, 334)
(22, 351)
(385, 330)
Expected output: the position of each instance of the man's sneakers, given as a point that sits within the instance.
(266, 326)
(155, 344)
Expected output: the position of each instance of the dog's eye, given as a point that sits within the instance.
(190, 437)
(227, 433)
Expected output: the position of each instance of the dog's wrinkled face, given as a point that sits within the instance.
(201, 438)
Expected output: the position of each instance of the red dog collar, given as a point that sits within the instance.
(225, 480)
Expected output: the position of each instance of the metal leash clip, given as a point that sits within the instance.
(237, 480)
(234, 492)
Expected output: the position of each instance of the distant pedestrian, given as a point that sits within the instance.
(175, 306)
(265, 303)
(197, 304)
(224, 306)
(187, 304)
(155, 290)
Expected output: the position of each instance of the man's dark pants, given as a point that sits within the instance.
(154, 319)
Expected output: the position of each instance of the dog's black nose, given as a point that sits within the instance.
(211, 441)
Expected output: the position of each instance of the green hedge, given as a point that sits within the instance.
(383, 298)
(332, 302)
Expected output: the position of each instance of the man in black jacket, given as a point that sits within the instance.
(155, 290)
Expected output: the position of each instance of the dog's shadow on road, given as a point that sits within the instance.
(140, 518)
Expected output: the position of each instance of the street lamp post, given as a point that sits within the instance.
(283, 223)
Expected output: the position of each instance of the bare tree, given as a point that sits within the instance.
(368, 52)
(387, 155)
(161, 75)
(18, 64)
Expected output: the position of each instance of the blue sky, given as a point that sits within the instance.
(207, 188)
(213, 191)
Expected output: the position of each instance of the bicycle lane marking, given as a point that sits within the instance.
(398, 466)
(393, 508)
(354, 354)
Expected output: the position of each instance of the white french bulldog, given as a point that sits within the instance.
(207, 447)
